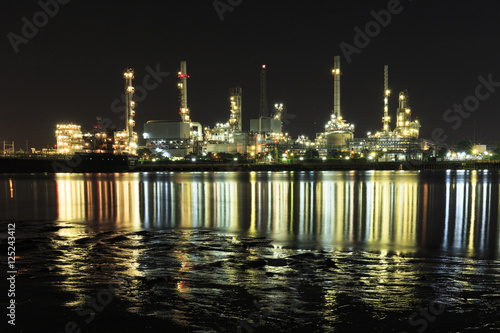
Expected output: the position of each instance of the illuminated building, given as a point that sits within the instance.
(172, 138)
(69, 139)
(98, 141)
(168, 138)
(123, 144)
(228, 137)
(400, 144)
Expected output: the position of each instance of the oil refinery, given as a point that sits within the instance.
(265, 140)
(400, 144)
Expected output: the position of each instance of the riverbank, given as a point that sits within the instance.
(319, 166)
(115, 163)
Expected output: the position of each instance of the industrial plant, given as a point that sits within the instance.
(399, 144)
(265, 140)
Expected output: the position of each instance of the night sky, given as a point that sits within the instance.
(71, 69)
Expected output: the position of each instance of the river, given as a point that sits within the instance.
(255, 251)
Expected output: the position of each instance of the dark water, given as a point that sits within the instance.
(377, 251)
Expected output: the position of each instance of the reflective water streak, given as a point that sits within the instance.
(448, 211)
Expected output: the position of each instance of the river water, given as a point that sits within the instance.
(378, 251)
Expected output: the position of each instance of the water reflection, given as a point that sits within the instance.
(380, 210)
(472, 218)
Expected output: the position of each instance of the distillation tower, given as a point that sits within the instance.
(129, 106)
(126, 140)
(406, 128)
(235, 117)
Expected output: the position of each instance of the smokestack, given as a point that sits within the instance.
(336, 74)
(263, 92)
(182, 85)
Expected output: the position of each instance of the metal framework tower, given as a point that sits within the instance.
(182, 85)
(129, 107)
(386, 119)
(263, 93)
(336, 86)
(235, 120)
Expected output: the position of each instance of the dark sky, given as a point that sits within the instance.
(71, 69)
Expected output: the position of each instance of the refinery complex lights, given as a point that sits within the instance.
(70, 139)
(179, 138)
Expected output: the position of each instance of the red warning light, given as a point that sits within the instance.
(183, 75)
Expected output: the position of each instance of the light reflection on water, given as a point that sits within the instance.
(134, 232)
(452, 211)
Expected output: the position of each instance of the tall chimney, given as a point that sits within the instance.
(263, 92)
(336, 74)
(386, 120)
(182, 85)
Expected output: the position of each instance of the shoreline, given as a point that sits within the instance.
(321, 166)
(119, 163)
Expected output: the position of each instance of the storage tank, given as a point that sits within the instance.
(338, 139)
